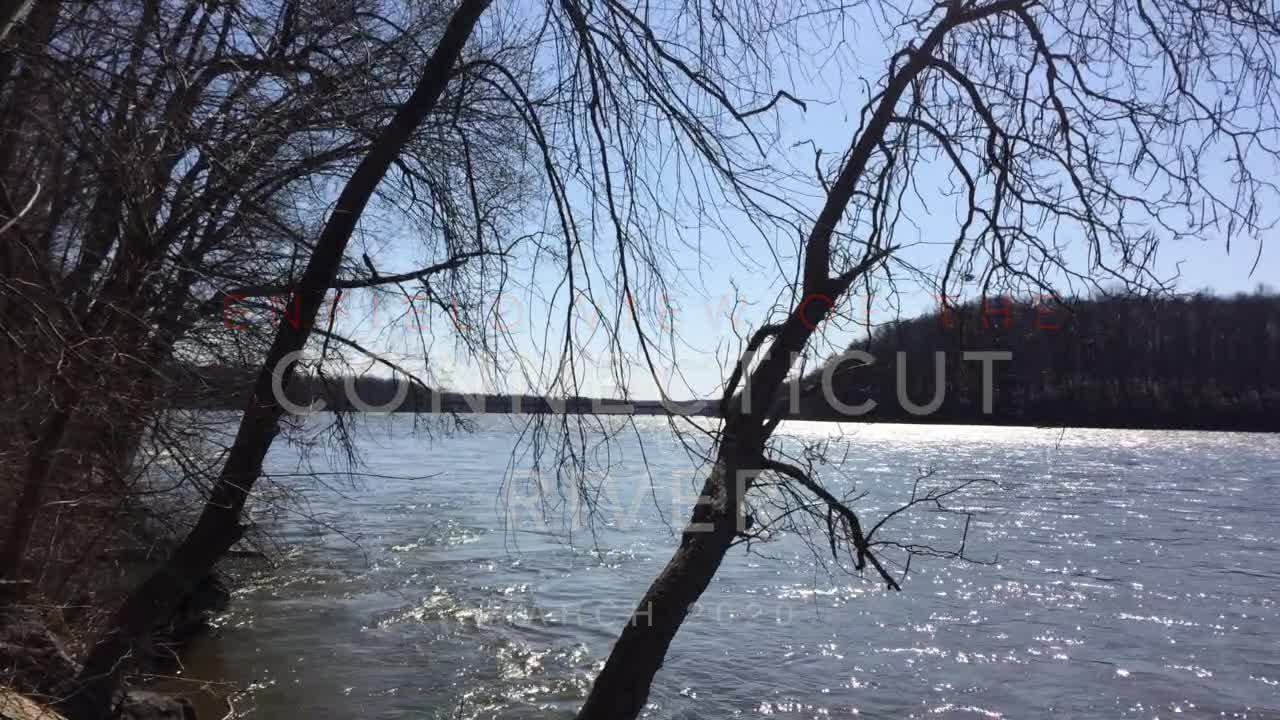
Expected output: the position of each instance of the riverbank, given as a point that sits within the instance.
(37, 668)
(39, 647)
(1095, 416)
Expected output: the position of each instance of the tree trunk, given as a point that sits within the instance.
(40, 464)
(218, 527)
(622, 687)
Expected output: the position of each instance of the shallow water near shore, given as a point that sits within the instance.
(1131, 574)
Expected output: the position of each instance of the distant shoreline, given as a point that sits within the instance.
(468, 404)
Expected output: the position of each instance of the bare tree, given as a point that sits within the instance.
(1063, 130)
(219, 525)
(166, 143)
(165, 159)
(1068, 145)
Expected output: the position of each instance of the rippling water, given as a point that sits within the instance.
(1134, 575)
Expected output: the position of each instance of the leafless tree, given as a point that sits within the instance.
(219, 526)
(1072, 138)
(1067, 139)
(165, 163)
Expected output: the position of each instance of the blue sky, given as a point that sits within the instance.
(732, 259)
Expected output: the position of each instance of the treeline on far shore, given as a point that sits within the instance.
(220, 387)
(1194, 362)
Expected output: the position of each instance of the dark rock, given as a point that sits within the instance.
(145, 705)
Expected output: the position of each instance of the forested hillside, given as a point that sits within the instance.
(1186, 362)
(1201, 361)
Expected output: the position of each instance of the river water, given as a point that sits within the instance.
(1130, 575)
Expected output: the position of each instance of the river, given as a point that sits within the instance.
(1126, 574)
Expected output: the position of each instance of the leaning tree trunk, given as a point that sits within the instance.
(218, 527)
(621, 689)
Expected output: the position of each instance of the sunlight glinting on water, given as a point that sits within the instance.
(1117, 575)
